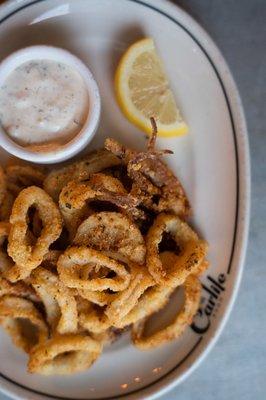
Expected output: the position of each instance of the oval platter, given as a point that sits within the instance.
(212, 162)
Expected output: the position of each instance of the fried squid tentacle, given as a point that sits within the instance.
(154, 184)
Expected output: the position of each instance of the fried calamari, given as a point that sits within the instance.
(64, 354)
(112, 232)
(184, 318)
(93, 249)
(25, 254)
(192, 250)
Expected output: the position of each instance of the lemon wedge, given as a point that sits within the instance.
(143, 91)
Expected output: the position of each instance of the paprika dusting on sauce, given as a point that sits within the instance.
(43, 104)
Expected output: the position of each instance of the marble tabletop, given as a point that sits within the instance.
(236, 367)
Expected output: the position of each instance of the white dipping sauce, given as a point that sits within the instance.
(43, 102)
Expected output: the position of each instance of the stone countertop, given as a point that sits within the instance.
(235, 368)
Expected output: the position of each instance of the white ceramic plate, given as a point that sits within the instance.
(212, 162)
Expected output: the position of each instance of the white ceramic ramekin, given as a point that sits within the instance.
(89, 128)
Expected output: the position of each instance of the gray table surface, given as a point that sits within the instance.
(236, 367)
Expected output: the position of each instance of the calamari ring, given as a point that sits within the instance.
(20, 289)
(4, 231)
(152, 300)
(21, 176)
(184, 318)
(76, 259)
(126, 300)
(13, 309)
(101, 298)
(169, 258)
(59, 301)
(201, 268)
(26, 256)
(78, 171)
(6, 262)
(64, 354)
(3, 185)
(109, 336)
(75, 198)
(193, 250)
(112, 231)
(50, 260)
(36, 224)
(93, 319)
(6, 206)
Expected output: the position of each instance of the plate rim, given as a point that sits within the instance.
(242, 159)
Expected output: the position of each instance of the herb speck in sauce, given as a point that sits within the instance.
(42, 102)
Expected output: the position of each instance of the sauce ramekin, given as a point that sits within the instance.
(85, 135)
